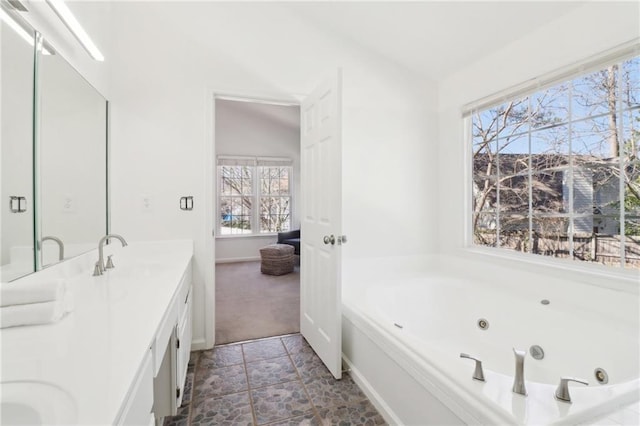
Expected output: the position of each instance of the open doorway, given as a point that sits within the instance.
(257, 199)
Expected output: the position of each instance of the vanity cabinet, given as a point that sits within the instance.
(120, 357)
(158, 388)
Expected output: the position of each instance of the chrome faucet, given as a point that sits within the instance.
(100, 267)
(518, 381)
(57, 240)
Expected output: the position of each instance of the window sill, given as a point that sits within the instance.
(620, 279)
(248, 236)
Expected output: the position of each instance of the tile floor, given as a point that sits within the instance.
(276, 381)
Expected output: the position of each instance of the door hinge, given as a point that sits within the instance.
(177, 393)
(177, 343)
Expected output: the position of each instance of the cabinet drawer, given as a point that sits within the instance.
(174, 312)
(139, 403)
(164, 334)
(184, 289)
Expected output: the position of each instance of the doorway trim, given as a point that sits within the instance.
(209, 224)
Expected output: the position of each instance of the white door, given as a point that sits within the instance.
(320, 286)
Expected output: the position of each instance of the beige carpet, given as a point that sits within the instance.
(251, 305)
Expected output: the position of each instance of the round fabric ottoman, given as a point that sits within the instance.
(277, 259)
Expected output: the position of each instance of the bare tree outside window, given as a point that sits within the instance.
(555, 172)
(243, 187)
(275, 199)
(236, 199)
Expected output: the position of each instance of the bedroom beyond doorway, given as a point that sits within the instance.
(251, 305)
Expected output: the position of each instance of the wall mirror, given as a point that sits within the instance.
(16, 144)
(71, 148)
(54, 155)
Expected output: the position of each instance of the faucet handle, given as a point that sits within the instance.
(109, 262)
(478, 374)
(97, 271)
(562, 391)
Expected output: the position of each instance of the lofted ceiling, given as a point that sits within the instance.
(432, 38)
(429, 38)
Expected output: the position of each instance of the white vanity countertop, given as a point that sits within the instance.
(94, 352)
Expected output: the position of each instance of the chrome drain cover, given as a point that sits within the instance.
(536, 352)
(601, 376)
(483, 324)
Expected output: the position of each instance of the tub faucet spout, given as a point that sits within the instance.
(518, 381)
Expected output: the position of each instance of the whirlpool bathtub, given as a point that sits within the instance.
(403, 334)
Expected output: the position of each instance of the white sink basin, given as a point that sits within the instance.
(35, 403)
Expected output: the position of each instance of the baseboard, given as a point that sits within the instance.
(238, 259)
(375, 398)
(198, 345)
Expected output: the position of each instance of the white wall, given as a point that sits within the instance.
(263, 130)
(581, 33)
(170, 59)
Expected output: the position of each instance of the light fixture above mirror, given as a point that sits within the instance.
(13, 19)
(70, 21)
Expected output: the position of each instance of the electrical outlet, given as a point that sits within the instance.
(146, 204)
(68, 203)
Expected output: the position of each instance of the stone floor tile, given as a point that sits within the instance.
(296, 343)
(271, 371)
(281, 401)
(220, 381)
(310, 365)
(263, 349)
(188, 386)
(222, 356)
(327, 392)
(362, 413)
(306, 420)
(227, 410)
(180, 419)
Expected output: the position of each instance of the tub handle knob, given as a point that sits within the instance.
(478, 374)
(562, 391)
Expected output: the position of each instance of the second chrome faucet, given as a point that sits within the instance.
(100, 266)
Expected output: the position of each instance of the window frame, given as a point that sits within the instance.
(255, 164)
(530, 89)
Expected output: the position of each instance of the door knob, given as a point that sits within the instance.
(329, 239)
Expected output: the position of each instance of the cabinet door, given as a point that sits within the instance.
(184, 333)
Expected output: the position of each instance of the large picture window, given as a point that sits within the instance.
(254, 195)
(557, 172)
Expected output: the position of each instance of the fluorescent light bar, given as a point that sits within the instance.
(63, 12)
(18, 5)
(16, 27)
(22, 32)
